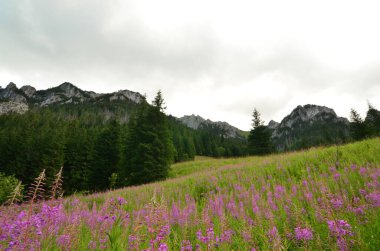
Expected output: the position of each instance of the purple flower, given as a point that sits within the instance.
(336, 176)
(337, 203)
(186, 246)
(163, 247)
(121, 201)
(339, 228)
(64, 240)
(303, 234)
(273, 233)
(374, 199)
(362, 171)
(209, 235)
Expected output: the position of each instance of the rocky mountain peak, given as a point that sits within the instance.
(310, 114)
(12, 93)
(192, 121)
(28, 90)
(197, 122)
(273, 125)
(70, 90)
(11, 86)
(62, 94)
(317, 122)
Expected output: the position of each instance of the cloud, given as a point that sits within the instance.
(213, 58)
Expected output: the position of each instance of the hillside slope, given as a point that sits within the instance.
(320, 199)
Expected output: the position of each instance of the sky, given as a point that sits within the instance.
(214, 58)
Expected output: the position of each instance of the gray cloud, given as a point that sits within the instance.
(104, 46)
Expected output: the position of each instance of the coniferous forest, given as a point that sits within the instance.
(103, 146)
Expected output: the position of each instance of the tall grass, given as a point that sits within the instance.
(319, 199)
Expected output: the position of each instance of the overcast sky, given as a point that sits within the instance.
(218, 59)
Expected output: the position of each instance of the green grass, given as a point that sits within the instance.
(285, 191)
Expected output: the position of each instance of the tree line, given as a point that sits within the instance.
(116, 144)
(260, 137)
(105, 145)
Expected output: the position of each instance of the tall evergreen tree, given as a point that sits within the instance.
(149, 148)
(259, 138)
(105, 156)
(373, 120)
(358, 128)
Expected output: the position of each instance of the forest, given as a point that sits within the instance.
(91, 142)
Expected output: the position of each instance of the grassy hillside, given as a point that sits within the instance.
(319, 199)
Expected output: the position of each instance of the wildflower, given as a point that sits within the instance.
(209, 235)
(63, 240)
(280, 189)
(273, 233)
(362, 171)
(303, 234)
(374, 199)
(186, 246)
(336, 176)
(339, 228)
(163, 247)
(337, 203)
(92, 245)
(121, 201)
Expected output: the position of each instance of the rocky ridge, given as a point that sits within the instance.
(306, 124)
(17, 100)
(197, 122)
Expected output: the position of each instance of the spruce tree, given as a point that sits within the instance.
(105, 156)
(149, 149)
(259, 139)
(373, 120)
(358, 128)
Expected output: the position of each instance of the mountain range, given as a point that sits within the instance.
(305, 126)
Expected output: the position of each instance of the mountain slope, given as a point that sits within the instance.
(66, 93)
(224, 129)
(308, 126)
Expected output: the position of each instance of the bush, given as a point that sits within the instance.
(7, 186)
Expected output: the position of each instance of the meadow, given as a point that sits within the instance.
(324, 198)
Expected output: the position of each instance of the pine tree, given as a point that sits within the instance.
(259, 139)
(373, 120)
(149, 149)
(105, 156)
(358, 128)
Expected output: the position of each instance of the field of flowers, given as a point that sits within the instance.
(320, 199)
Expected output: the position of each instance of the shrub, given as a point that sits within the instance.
(7, 186)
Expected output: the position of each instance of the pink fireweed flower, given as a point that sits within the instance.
(186, 246)
(339, 228)
(336, 176)
(336, 202)
(163, 247)
(374, 199)
(92, 245)
(121, 201)
(209, 235)
(294, 190)
(64, 240)
(280, 189)
(362, 171)
(303, 234)
(273, 233)
(304, 183)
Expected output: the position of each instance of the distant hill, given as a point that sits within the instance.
(65, 93)
(307, 126)
(197, 122)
